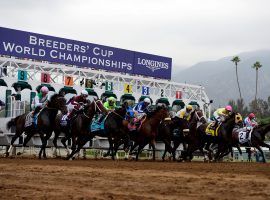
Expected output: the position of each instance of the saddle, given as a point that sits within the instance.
(212, 129)
(244, 135)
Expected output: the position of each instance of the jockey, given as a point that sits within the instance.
(141, 108)
(184, 113)
(76, 102)
(40, 100)
(110, 104)
(250, 121)
(220, 113)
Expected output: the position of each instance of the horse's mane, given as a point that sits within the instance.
(54, 97)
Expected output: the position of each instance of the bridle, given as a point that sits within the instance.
(96, 107)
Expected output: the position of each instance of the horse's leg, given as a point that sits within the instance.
(14, 138)
(176, 144)
(81, 141)
(111, 146)
(168, 148)
(29, 135)
(153, 145)
(240, 152)
(42, 138)
(47, 137)
(261, 151)
(56, 136)
(63, 141)
(164, 153)
(140, 148)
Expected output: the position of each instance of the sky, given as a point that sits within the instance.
(188, 31)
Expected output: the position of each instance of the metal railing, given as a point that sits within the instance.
(15, 107)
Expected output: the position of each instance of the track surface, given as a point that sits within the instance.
(23, 178)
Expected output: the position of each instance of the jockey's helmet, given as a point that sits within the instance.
(111, 99)
(44, 90)
(189, 107)
(84, 93)
(228, 108)
(147, 100)
(251, 116)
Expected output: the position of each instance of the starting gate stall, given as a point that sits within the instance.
(127, 98)
(3, 82)
(92, 94)
(177, 105)
(143, 97)
(47, 85)
(163, 101)
(67, 90)
(194, 104)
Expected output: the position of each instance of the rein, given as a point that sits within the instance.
(197, 116)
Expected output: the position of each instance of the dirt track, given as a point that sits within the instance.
(105, 179)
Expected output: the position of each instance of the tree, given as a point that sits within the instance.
(236, 60)
(257, 65)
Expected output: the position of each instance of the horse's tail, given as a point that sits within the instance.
(12, 122)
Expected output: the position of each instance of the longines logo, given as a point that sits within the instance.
(153, 65)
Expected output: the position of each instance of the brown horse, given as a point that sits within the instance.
(80, 125)
(172, 130)
(114, 130)
(198, 139)
(45, 123)
(256, 140)
(148, 130)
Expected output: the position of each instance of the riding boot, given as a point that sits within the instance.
(34, 116)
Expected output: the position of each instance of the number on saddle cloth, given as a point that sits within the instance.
(244, 135)
(212, 129)
(30, 119)
(64, 120)
(98, 122)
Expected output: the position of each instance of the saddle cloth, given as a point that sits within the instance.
(29, 120)
(244, 135)
(96, 125)
(63, 121)
(210, 130)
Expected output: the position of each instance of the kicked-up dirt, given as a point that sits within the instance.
(24, 178)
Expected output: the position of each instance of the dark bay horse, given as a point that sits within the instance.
(256, 140)
(114, 130)
(172, 130)
(80, 125)
(148, 130)
(197, 139)
(45, 123)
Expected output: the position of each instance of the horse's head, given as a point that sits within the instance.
(234, 117)
(197, 116)
(58, 102)
(161, 112)
(96, 106)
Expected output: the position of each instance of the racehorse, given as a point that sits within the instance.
(256, 140)
(80, 124)
(114, 130)
(147, 131)
(45, 123)
(198, 137)
(193, 139)
(172, 130)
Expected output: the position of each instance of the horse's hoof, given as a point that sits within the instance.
(19, 153)
(7, 154)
